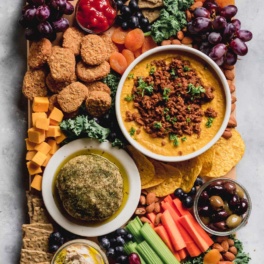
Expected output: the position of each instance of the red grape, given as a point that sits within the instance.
(32, 34)
(239, 47)
(205, 47)
(244, 35)
(230, 57)
(201, 24)
(45, 28)
(228, 11)
(214, 37)
(134, 258)
(229, 31)
(43, 13)
(69, 9)
(220, 61)
(218, 51)
(58, 4)
(236, 23)
(211, 7)
(38, 2)
(219, 22)
(30, 14)
(60, 25)
(201, 12)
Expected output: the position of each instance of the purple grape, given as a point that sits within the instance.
(38, 2)
(218, 51)
(23, 22)
(219, 23)
(32, 34)
(201, 12)
(191, 29)
(220, 61)
(201, 24)
(61, 25)
(205, 47)
(213, 8)
(228, 11)
(69, 8)
(238, 46)
(230, 57)
(45, 28)
(229, 31)
(236, 23)
(244, 35)
(30, 14)
(214, 37)
(26, 7)
(43, 13)
(58, 4)
(55, 15)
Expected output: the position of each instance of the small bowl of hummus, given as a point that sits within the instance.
(173, 103)
(80, 251)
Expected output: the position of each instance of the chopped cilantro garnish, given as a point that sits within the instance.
(157, 125)
(175, 139)
(152, 70)
(209, 122)
(183, 139)
(173, 120)
(129, 98)
(130, 76)
(144, 87)
(195, 91)
(166, 110)
(186, 69)
(188, 119)
(132, 131)
(168, 118)
(165, 95)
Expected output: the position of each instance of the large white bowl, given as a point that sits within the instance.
(80, 146)
(189, 51)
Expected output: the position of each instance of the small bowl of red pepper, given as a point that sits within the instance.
(95, 16)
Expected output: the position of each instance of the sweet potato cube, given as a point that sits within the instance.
(42, 123)
(39, 158)
(47, 160)
(43, 147)
(54, 146)
(36, 116)
(53, 131)
(37, 182)
(60, 138)
(30, 145)
(56, 115)
(33, 168)
(30, 154)
(36, 135)
(40, 104)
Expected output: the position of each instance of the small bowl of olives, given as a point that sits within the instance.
(222, 206)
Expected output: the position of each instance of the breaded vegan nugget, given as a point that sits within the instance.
(98, 86)
(62, 64)
(110, 45)
(93, 50)
(92, 73)
(98, 103)
(39, 53)
(72, 96)
(55, 86)
(34, 84)
(72, 38)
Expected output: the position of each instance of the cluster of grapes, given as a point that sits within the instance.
(44, 18)
(219, 35)
(131, 17)
(113, 244)
(187, 199)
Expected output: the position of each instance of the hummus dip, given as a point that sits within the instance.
(178, 144)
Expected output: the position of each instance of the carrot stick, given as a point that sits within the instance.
(151, 217)
(177, 256)
(182, 253)
(172, 230)
(173, 212)
(168, 199)
(161, 231)
(180, 208)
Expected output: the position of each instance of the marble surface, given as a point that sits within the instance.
(13, 117)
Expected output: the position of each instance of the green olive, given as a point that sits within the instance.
(233, 221)
(226, 208)
(216, 201)
(240, 192)
(205, 220)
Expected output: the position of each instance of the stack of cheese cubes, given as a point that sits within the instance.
(43, 138)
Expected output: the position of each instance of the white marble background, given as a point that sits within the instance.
(13, 118)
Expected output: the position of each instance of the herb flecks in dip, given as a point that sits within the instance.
(90, 187)
(173, 104)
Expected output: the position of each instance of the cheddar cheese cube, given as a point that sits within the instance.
(54, 123)
(36, 116)
(53, 131)
(47, 160)
(60, 138)
(36, 135)
(56, 115)
(43, 147)
(30, 154)
(42, 123)
(33, 168)
(37, 182)
(30, 145)
(39, 158)
(40, 104)
(54, 146)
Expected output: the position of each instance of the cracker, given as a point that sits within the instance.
(37, 230)
(40, 215)
(37, 243)
(151, 14)
(29, 256)
(150, 3)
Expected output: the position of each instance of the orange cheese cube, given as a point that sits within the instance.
(37, 182)
(54, 146)
(43, 147)
(39, 158)
(56, 115)
(42, 123)
(47, 160)
(30, 154)
(60, 138)
(36, 116)
(40, 104)
(53, 131)
(30, 145)
(36, 135)
(54, 123)
(33, 168)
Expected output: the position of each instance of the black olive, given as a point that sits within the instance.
(129, 237)
(122, 259)
(112, 241)
(198, 181)
(219, 216)
(105, 243)
(144, 22)
(147, 28)
(124, 25)
(205, 210)
(234, 202)
(133, 22)
(138, 14)
(110, 252)
(121, 232)
(203, 199)
(179, 193)
(133, 6)
(53, 248)
(119, 250)
(241, 207)
(119, 4)
(120, 241)
(125, 11)
(192, 191)
(221, 225)
(56, 238)
(119, 20)
(230, 187)
(187, 202)
(216, 190)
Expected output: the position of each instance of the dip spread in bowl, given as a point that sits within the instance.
(173, 103)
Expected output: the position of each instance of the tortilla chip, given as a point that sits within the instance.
(190, 170)
(145, 167)
(34, 256)
(151, 14)
(228, 152)
(170, 184)
(150, 3)
(207, 161)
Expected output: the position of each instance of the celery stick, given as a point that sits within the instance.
(130, 247)
(148, 253)
(158, 245)
(134, 227)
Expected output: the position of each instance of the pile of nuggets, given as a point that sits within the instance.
(70, 74)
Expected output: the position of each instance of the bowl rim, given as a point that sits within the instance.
(133, 178)
(231, 231)
(226, 89)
